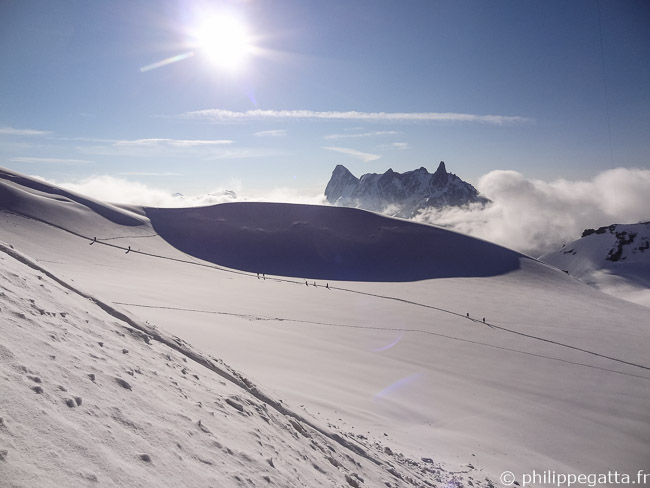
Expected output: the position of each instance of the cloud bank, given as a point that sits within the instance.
(220, 115)
(120, 190)
(535, 217)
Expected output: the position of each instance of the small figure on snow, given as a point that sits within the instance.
(467, 314)
(306, 284)
(263, 276)
(258, 276)
(327, 286)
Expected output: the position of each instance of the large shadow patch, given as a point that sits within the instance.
(327, 243)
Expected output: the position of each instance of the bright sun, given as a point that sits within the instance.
(224, 40)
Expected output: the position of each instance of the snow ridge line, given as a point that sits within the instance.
(185, 349)
(285, 280)
(392, 329)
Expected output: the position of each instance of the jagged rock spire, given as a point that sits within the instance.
(403, 194)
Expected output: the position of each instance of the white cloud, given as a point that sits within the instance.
(272, 133)
(535, 216)
(220, 115)
(6, 130)
(365, 134)
(49, 160)
(365, 157)
(176, 148)
(170, 142)
(120, 190)
(145, 173)
(400, 145)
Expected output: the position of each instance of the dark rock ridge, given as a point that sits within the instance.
(400, 194)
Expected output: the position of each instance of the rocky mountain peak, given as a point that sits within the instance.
(402, 194)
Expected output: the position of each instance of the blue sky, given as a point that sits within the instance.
(551, 89)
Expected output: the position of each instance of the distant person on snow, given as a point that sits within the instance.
(483, 319)
(327, 286)
(467, 314)
(306, 284)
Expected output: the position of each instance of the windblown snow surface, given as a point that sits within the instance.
(141, 359)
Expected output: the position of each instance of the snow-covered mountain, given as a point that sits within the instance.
(614, 259)
(400, 194)
(298, 379)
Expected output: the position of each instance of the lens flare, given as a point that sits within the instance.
(388, 346)
(401, 383)
(165, 62)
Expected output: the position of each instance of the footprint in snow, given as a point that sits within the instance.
(123, 383)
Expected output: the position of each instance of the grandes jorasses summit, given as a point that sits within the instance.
(400, 194)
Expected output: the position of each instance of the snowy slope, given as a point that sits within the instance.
(400, 194)
(90, 395)
(557, 368)
(614, 259)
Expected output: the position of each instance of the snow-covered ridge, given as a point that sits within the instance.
(625, 237)
(555, 368)
(400, 194)
(613, 258)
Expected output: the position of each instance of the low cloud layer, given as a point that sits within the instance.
(220, 115)
(536, 217)
(120, 190)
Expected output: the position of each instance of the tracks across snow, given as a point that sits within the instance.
(262, 318)
(492, 325)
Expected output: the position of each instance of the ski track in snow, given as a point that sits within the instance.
(402, 329)
(128, 249)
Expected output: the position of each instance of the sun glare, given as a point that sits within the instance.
(224, 40)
